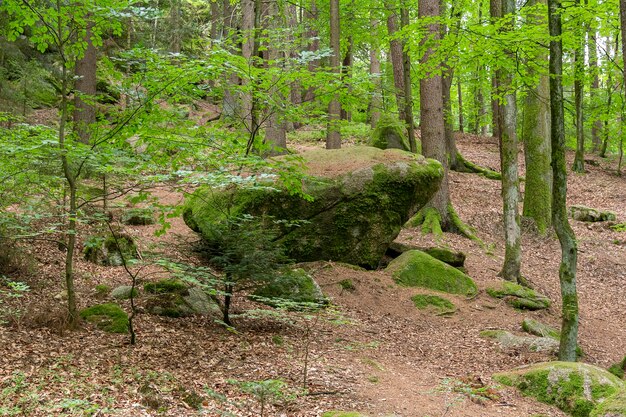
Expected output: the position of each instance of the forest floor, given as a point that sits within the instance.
(374, 352)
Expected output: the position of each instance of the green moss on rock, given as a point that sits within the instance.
(588, 214)
(519, 297)
(619, 369)
(108, 250)
(418, 269)
(614, 406)
(509, 340)
(440, 304)
(168, 285)
(361, 198)
(390, 133)
(575, 388)
(537, 328)
(449, 256)
(293, 288)
(108, 317)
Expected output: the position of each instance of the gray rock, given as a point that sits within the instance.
(588, 214)
(361, 198)
(123, 292)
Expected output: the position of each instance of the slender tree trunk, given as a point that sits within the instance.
(622, 14)
(579, 73)
(84, 110)
(432, 117)
(346, 74)
(275, 133)
(314, 46)
(176, 22)
(333, 135)
(408, 86)
(460, 98)
(248, 29)
(446, 87)
(609, 94)
(511, 270)
(536, 131)
(596, 128)
(567, 239)
(230, 106)
(376, 102)
(396, 47)
(495, 10)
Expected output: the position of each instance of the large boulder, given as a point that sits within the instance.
(520, 297)
(588, 214)
(174, 298)
(293, 289)
(361, 198)
(418, 269)
(575, 388)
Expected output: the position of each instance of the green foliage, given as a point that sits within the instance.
(108, 317)
(620, 227)
(619, 369)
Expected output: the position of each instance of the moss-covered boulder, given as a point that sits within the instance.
(123, 292)
(174, 298)
(138, 216)
(537, 328)
(509, 340)
(435, 303)
(614, 406)
(588, 214)
(108, 317)
(575, 388)
(449, 256)
(390, 133)
(418, 269)
(361, 198)
(519, 297)
(293, 288)
(110, 250)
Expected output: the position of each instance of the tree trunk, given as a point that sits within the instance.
(176, 22)
(333, 135)
(460, 98)
(230, 106)
(346, 74)
(495, 10)
(622, 14)
(314, 47)
(395, 53)
(536, 131)
(84, 110)
(567, 239)
(275, 133)
(376, 102)
(432, 117)
(579, 73)
(596, 128)
(446, 86)
(508, 161)
(408, 87)
(248, 111)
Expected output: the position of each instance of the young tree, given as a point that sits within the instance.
(511, 270)
(579, 82)
(333, 134)
(567, 239)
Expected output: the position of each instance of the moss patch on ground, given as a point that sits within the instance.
(619, 369)
(433, 302)
(418, 269)
(575, 388)
(519, 297)
(108, 317)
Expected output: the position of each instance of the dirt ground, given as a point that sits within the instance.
(373, 352)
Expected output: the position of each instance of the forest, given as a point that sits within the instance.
(350, 208)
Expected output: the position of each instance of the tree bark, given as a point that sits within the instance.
(408, 87)
(432, 117)
(596, 127)
(567, 239)
(495, 10)
(333, 135)
(395, 52)
(536, 139)
(579, 73)
(460, 98)
(511, 270)
(84, 110)
(622, 14)
(314, 46)
(376, 101)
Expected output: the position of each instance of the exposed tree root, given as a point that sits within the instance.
(463, 165)
(429, 219)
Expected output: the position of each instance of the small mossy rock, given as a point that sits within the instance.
(123, 292)
(108, 250)
(575, 388)
(614, 406)
(451, 257)
(418, 269)
(108, 317)
(173, 298)
(138, 217)
(619, 369)
(433, 302)
(520, 297)
(361, 198)
(292, 286)
(389, 134)
(588, 214)
(537, 328)
(509, 340)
